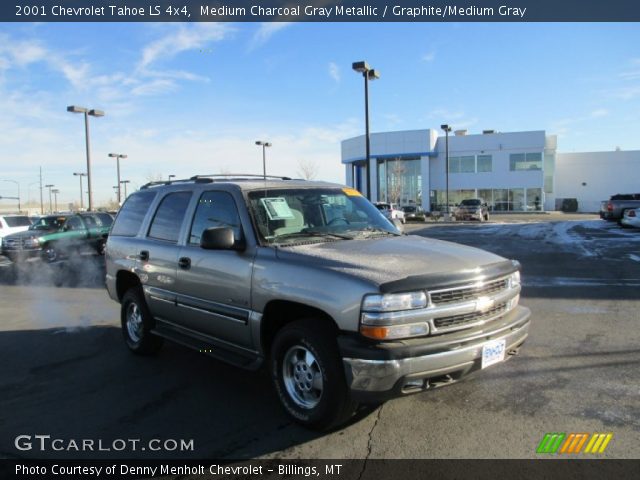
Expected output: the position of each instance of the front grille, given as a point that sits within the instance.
(461, 320)
(13, 243)
(443, 297)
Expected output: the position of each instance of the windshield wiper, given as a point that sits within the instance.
(313, 233)
(377, 230)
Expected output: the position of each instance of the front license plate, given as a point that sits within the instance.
(493, 352)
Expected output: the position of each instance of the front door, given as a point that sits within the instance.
(214, 286)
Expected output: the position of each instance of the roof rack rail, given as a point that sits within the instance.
(212, 178)
(239, 175)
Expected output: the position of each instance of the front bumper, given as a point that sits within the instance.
(21, 255)
(378, 372)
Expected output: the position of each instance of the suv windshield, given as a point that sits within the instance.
(474, 202)
(284, 216)
(48, 223)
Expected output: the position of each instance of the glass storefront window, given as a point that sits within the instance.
(500, 199)
(486, 195)
(534, 199)
(516, 199)
(400, 180)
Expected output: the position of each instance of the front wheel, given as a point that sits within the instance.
(50, 253)
(306, 369)
(137, 323)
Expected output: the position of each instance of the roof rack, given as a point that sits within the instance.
(239, 176)
(213, 178)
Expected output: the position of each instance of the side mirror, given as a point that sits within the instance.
(398, 224)
(219, 238)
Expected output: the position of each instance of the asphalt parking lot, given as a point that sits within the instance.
(66, 371)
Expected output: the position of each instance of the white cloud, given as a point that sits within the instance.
(265, 32)
(154, 87)
(182, 38)
(334, 72)
(600, 112)
(429, 57)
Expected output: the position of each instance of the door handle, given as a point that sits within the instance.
(184, 262)
(144, 255)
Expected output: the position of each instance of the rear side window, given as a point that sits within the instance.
(132, 214)
(169, 216)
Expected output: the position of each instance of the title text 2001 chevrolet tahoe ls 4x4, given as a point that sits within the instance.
(312, 279)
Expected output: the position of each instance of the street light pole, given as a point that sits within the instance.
(18, 184)
(118, 156)
(264, 156)
(369, 74)
(41, 202)
(50, 202)
(55, 192)
(446, 129)
(125, 187)
(93, 113)
(80, 174)
(171, 176)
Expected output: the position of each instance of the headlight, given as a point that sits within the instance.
(32, 242)
(392, 302)
(387, 317)
(514, 279)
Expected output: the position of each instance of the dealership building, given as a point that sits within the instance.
(512, 171)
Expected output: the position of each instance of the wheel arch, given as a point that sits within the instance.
(278, 313)
(125, 281)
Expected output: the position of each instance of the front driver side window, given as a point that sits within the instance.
(215, 209)
(74, 223)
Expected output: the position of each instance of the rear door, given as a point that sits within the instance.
(158, 260)
(214, 286)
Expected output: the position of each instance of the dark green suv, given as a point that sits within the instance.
(53, 237)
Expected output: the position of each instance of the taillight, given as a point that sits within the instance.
(610, 207)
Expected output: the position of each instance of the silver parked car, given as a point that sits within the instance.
(312, 280)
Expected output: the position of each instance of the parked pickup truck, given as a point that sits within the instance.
(312, 280)
(618, 203)
(53, 237)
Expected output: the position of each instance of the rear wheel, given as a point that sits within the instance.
(137, 323)
(306, 369)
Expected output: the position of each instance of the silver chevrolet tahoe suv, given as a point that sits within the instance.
(311, 279)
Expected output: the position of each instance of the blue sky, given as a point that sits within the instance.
(193, 98)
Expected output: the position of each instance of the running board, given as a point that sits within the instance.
(207, 345)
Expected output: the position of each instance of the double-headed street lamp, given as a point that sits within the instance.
(264, 156)
(369, 74)
(118, 156)
(93, 113)
(80, 174)
(14, 198)
(49, 186)
(171, 176)
(446, 129)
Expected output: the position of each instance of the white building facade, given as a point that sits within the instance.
(515, 171)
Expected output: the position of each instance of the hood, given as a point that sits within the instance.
(31, 233)
(400, 263)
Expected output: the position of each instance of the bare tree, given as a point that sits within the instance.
(154, 177)
(395, 179)
(307, 169)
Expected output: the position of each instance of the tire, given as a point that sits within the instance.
(50, 253)
(102, 245)
(306, 370)
(137, 322)
(486, 217)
